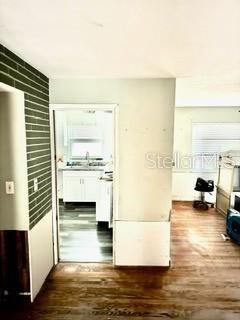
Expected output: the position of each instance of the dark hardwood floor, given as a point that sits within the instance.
(81, 238)
(202, 283)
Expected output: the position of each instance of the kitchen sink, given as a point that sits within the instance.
(85, 164)
(96, 164)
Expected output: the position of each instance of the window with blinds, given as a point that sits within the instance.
(210, 139)
(79, 148)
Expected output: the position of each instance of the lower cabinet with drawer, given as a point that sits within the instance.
(80, 186)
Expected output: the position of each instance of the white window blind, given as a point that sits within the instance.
(84, 132)
(80, 148)
(210, 139)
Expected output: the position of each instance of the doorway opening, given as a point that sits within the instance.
(83, 174)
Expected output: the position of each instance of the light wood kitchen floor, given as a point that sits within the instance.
(202, 283)
(81, 239)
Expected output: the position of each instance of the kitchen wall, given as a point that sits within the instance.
(145, 124)
(184, 180)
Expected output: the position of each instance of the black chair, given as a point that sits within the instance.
(203, 186)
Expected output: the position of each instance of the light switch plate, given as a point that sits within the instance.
(10, 187)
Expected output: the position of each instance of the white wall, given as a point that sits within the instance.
(142, 243)
(13, 162)
(146, 112)
(184, 180)
(41, 253)
(218, 91)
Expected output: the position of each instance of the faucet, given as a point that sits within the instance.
(87, 157)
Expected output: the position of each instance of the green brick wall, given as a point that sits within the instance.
(17, 73)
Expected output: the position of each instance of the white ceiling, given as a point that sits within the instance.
(124, 38)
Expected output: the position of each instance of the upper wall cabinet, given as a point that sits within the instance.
(84, 132)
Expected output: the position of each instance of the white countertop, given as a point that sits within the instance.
(82, 168)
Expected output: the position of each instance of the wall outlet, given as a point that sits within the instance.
(10, 187)
(35, 184)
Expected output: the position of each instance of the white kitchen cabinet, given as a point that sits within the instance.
(90, 186)
(60, 184)
(80, 186)
(73, 189)
(104, 208)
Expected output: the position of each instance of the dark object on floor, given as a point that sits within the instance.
(237, 203)
(203, 186)
(233, 225)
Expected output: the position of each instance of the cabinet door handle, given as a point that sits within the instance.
(80, 181)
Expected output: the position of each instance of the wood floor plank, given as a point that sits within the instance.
(81, 238)
(202, 283)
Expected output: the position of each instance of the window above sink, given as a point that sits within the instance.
(80, 147)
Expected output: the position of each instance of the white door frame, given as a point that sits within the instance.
(82, 106)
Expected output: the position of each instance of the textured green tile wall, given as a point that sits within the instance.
(19, 74)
